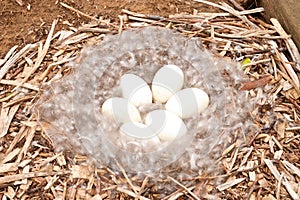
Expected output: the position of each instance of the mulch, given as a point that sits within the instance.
(266, 167)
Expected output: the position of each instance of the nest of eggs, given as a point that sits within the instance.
(74, 110)
(264, 163)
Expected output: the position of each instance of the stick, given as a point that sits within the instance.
(14, 58)
(130, 193)
(41, 55)
(289, 42)
(16, 83)
(16, 177)
(6, 117)
(126, 177)
(231, 10)
(9, 53)
(236, 4)
(78, 12)
(154, 17)
(255, 84)
(20, 2)
(185, 188)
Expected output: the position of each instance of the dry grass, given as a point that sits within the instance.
(268, 167)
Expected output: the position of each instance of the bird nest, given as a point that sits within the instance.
(252, 80)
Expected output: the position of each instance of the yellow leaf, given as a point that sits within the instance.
(246, 61)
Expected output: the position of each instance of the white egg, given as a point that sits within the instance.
(165, 124)
(139, 135)
(121, 110)
(167, 80)
(188, 102)
(135, 89)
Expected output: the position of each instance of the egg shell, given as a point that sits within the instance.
(188, 102)
(140, 135)
(121, 110)
(167, 80)
(135, 89)
(165, 124)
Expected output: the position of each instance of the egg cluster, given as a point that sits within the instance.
(161, 126)
(142, 84)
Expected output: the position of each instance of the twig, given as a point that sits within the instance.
(17, 101)
(16, 177)
(41, 55)
(211, 4)
(121, 18)
(242, 17)
(214, 15)
(9, 63)
(236, 4)
(132, 194)
(6, 117)
(9, 53)
(51, 66)
(285, 182)
(293, 101)
(16, 139)
(180, 192)
(185, 188)
(154, 17)
(126, 177)
(289, 42)
(16, 83)
(94, 30)
(78, 12)
(229, 184)
(20, 2)
(249, 85)
(296, 128)
(231, 10)
(288, 67)
(292, 168)
(253, 187)
(144, 184)
(150, 21)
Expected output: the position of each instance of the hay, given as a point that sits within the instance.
(268, 167)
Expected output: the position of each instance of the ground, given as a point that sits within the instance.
(28, 21)
(265, 166)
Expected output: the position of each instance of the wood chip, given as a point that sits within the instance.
(9, 53)
(130, 193)
(289, 41)
(269, 197)
(8, 64)
(246, 157)
(229, 184)
(11, 155)
(278, 154)
(17, 177)
(11, 193)
(41, 54)
(252, 176)
(78, 171)
(6, 117)
(185, 188)
(285, 182)
(8, 167)
(29, 166)
(292, 168)
(16, 83)
(96, 197)
(272, 168)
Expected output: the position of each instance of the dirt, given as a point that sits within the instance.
(28, 21)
